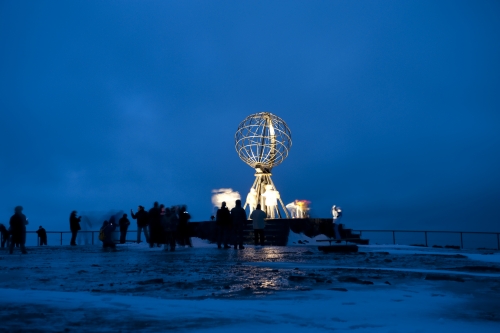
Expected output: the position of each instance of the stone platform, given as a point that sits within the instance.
(277, 230)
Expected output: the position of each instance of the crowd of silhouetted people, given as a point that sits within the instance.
(15, 235)
(230, 224)
(160, 225)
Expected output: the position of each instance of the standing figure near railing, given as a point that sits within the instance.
(337, 214)
(170, 223)
(142, 223)
(239, 220)
(42, 236)
(184, 227)
(74, 226)
(18, 229)
(223, 222)
(124, 223)
(4, 233)
(106, 231)
(258, 217)
(155, 229)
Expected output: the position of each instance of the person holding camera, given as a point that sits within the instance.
(142, 223)
(337, 214)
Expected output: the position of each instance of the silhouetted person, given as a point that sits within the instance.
(18, 229)
(42, 236)
(142, 223)
(337, 214)
(124, 223)
(24, 231)
(183, 228)
(170, 223)
(164, 216)
(155, 229)
(74, 225)
(239, 220)
(107, 229)
(4, 233)
(223, 222)
(258, 217)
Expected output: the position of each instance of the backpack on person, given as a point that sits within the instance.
(101, 235)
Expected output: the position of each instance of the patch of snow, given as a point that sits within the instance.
(294, 238)
(198, 242)
(486, 256)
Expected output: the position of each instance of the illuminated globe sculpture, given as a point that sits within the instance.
(263, 141)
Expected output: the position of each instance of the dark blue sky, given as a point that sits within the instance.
(393, 106)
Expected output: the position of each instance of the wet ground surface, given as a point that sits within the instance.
(211, 272)
(265, 273)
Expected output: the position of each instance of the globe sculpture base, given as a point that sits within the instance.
(263, 179)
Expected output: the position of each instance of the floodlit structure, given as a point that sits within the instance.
(299, 209)
(252, 200)
(263, 141)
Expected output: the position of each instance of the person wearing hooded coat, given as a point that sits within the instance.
(74, 226)
(239, 220)
(223, 222)
(18, 229)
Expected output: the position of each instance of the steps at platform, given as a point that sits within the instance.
(354, 238)
(275, 233)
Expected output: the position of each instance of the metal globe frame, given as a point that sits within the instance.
(263, 141)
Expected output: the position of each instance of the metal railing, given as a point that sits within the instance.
(427, 233)
(91, 233)
(391, 237)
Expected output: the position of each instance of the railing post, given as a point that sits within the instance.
(394, 237)
(426, 239)
(61, 237)
(461, 240)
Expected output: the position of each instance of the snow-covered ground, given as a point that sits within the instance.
(265, 289)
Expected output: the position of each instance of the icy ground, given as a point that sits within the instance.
(269, 289)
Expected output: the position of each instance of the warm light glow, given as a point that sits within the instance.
(335, 212)
(227, 195)
(271, 128)
(271, 197)
(299, 208)
(252, 199)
